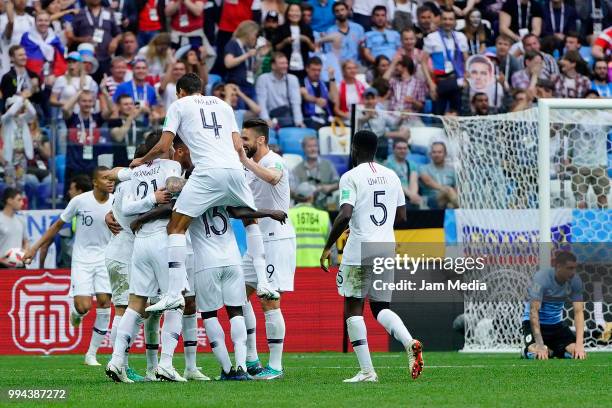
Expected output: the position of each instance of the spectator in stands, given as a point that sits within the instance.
(380, 40)
(270, 25)
(603, 44)
(235, 97)
(570, 84)
(439, 180)
(322, 14)
(119, 74)
(407, 91)
(550, 67)
(520, 17)
(38, 173)
(572, 41)
(18, 79)
(129, 49)
(158, 55)
(406, 171)
(44, 51)
(167, 86)
(350, 90)
(405, 15)
(145, 17)
(66, 86)
(278, 95)
(14, 22)
(95, 24)
(125, 124)
(317, 171)
(508, 64)
(476, 32)
(195, 60)
(559, 19)
(409, 49)
(480, 104)
(186, 22)
(13, 232)
(544, 89)
(381, 65)
(83, 127)
(295, 40)
(491, 9)
(448, 51)
(277, 6)
(520, 101)
(426, 24)
(352, 33)
(528, 76)
(363, 10)
(317, 96)
(311, 226)
(142, 93)
(601, 82)
(242, 57)
(17, 140)
(233, 13)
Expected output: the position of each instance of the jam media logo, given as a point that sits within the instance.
(40, 314)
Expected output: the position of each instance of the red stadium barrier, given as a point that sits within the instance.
(35, 310)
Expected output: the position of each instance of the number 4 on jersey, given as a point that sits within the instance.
(215, 126)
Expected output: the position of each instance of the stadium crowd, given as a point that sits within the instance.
(82, 79)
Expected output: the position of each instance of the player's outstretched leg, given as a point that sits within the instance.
(126, 332)
(151, 335)
(252, 359)
(100, 328)
(190, 341)
(171, 330)
(216, 337)
(255, 249)
(395, 327)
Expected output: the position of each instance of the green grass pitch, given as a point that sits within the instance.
(315, 379)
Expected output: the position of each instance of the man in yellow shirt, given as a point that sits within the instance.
(311, 226)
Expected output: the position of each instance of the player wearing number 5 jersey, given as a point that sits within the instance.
(88, 274)
(371, 201)
(207, 125)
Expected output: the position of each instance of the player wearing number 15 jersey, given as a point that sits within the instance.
(371, 201)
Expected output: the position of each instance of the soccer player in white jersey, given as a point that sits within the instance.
(88, 276)
(371, 200)
(207, 125)
(148, 272)
(268, 179)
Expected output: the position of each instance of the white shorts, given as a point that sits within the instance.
(217, 188)
(119, 275)
(354, 281)
(280, 265)
(89, 279)
(189, 265)
(149, 271)
(218, 287)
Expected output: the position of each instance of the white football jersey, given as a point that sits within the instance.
(213, 240)
(92, 235)
(271, 197)
(205, 124)
(146, 180)
(375, 192)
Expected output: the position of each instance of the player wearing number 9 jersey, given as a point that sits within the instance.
(371, 201)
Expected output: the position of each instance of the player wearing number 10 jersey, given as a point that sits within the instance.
(371, 200)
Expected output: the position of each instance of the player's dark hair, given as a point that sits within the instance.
(82, 182)
(563, 257)
(365, 143)
(259, 126)
(178, 142)
(98, 170)
(152, 139)
(190, 83)
(141, 150)
(8, 194)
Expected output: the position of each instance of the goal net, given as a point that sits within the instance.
(526, 179)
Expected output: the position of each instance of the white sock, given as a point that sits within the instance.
(239, 338)
(133, 335)
(113, 333)
(250, 322)
(275, 332)
(355, 325)
(598, 304)
(394, 326)
(151, 335)
(177, 273)
(171, 330)
(129, 320)
(190, 340)
(216, 337)
(255, 248)
(99, 329)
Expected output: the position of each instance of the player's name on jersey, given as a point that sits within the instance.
(201, 100)
(405, 285)
(377, 180)
(146, 173)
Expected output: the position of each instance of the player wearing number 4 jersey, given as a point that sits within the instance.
(88, 275)
(208, 127)
(371, 200)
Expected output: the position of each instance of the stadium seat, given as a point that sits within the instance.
(341, 162)
(272, 137)
(421, 138)
(610, 165)
(213, 80)
(334, 143)
(60, 167)
(418, 159)
(290, 139)
(292, 160)
(43, 197)
(585, 53)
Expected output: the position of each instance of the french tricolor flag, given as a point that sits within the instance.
(40, 50)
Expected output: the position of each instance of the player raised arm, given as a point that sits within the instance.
(578, 352)
(340, 225)
(541, 350)
(269, 175)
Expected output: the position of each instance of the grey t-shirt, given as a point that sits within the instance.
(12, 232)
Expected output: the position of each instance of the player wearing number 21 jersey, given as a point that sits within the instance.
(371, 201)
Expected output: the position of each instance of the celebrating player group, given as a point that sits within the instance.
(163, 244)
